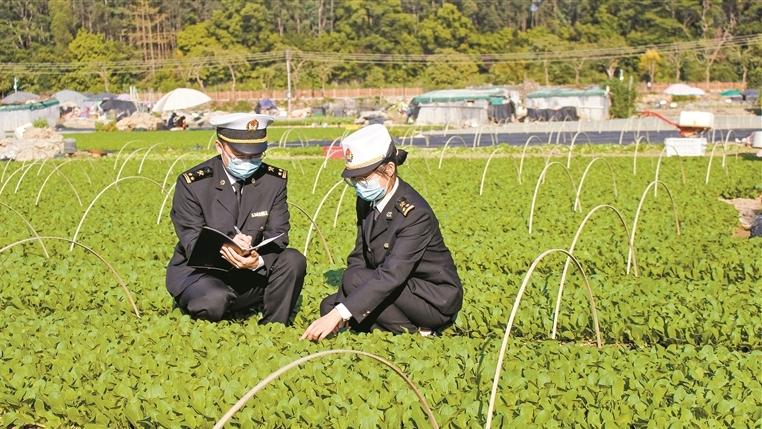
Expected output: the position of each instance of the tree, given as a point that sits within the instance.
(249, 23)
(578, 63)
(95, 55)
(623, 96)
(677, 59)
(717, 28)
(446, 29)
(61, 22)
(545, 43)
(145, 23)
(456, 70)
(649, 61)
(752, 63)
(504, 41)
(508, 73)
(603, 35)
(208, 53)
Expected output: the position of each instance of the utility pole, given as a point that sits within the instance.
(288, 78)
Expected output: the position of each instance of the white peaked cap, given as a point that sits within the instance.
(245, 132)
(365, 149)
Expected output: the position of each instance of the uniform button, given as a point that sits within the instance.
(386, 245)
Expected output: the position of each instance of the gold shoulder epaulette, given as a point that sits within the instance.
(404, 206)
(275, 171)
(201, 173)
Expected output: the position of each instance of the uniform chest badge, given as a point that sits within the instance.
(259, 214)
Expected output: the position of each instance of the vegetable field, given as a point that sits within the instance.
(299, 135)
(659, 323)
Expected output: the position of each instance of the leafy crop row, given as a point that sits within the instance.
(682, 341)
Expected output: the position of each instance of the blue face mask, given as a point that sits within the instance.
(370, 190)
(243, 169)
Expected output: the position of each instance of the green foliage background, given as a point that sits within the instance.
(211, 37)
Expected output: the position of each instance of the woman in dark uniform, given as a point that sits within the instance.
(400, 276)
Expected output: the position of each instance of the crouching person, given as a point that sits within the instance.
(400, 276)
(239, 195)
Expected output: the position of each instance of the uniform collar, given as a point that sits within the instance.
(231, 179)
(384, 201)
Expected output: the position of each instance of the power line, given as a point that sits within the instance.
(234, 60)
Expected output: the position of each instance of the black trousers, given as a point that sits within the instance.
(215, 295)
(402, 311)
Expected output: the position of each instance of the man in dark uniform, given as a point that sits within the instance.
(400, 276)
(239, 195)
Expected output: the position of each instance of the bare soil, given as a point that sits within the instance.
(748, 209)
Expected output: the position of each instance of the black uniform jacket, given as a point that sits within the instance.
(405, 248)
(204, 197)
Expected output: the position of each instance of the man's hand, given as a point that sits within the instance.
(249, 262)
(321, 328)
(243, 241)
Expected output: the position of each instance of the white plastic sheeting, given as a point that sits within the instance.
(684, 90)
(12, 117)
(685, 146)
(591, 105)
(455, 112)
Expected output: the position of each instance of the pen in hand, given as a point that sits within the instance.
(247, 252)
